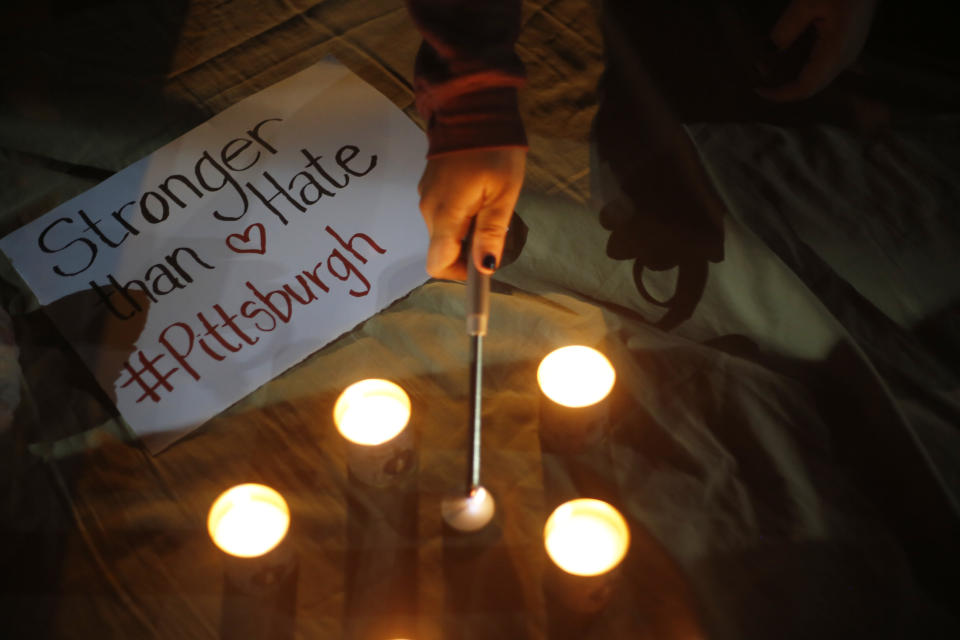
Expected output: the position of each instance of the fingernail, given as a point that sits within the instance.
(489, 262)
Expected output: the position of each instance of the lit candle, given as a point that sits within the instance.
(586, 537)
(372, 415)
(248, 520)
(575, 381)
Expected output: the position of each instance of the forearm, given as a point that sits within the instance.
(467, 73)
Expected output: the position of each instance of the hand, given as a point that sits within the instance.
(460, 186)
(841, 28)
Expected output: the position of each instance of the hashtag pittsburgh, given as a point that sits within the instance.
(222, 333)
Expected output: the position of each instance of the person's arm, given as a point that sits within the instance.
(466, 80)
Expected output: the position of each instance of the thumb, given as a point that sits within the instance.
(489, 235)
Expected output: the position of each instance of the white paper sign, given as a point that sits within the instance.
(202, 271)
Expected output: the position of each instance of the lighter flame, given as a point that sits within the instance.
(248, 520)
(468, 513)
(371, 411)
(576, 376)
(586, 537)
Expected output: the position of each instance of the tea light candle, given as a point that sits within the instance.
(248, 520)
(575, 381)
(586, 537)
(372, 415)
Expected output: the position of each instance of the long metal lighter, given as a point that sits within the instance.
(478, 313)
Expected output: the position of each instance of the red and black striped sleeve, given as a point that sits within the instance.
(467, 73)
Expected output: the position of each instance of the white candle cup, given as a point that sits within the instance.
(249, 523)
(586, 540)
(372, 415)
(575, 384)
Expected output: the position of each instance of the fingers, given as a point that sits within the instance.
(446, 205)
(443, 259)
(796, 18)
(448, 227)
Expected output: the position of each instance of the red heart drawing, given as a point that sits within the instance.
(247, 242)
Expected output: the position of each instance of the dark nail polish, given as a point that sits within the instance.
(489, 262)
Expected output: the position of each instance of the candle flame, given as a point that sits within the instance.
(248, 520)
(576, 376)
(468, 513)
(586, 537)
(372, 411)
